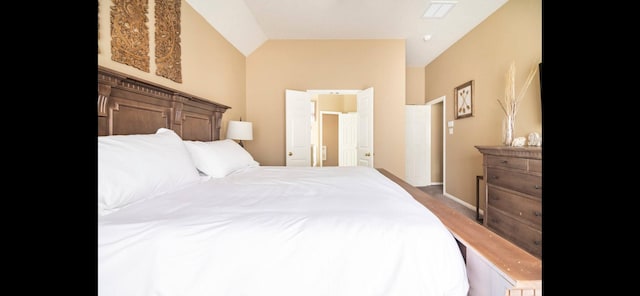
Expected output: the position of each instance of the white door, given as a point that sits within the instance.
(298, 128)
(365, 127)
(417, 145)
(348, 139)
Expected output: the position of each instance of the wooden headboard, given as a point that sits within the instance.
(128, 105)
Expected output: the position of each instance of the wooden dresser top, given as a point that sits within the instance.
(524, 151)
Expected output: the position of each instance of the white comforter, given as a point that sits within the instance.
(280, 231)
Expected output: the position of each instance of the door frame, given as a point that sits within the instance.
(334, 91)
(316, 92)
(443, 100)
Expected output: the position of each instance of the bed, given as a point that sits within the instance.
(183, 212)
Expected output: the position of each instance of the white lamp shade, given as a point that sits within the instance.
(240, 130)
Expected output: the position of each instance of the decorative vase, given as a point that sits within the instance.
(508, 127)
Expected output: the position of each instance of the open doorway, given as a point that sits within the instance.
(303, 137)
(328, 135)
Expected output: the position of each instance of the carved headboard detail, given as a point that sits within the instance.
(128, 105)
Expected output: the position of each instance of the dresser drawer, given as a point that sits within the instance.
(515, 231)
(507, 162)
(535, 165)
(522, 208)
(525, 183)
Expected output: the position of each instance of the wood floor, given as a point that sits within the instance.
(436, 191)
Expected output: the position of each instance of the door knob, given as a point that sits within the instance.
(367, 154)
(290, 153)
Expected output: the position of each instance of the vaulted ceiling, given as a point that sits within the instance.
(247, 24)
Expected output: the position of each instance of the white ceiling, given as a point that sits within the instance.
(247, 24)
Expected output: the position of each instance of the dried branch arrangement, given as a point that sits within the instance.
(510, 102)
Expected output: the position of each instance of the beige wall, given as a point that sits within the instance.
(512, 33)
(211, 67)
(327, 64)
(415, 86)
(338, 103)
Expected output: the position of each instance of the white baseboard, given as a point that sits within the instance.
(462, 202)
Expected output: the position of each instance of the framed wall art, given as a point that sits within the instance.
(463, 96)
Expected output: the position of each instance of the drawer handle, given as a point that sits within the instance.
(537, 242)
(537, 214)
(537, 186)
(504, 161)
(494, 177)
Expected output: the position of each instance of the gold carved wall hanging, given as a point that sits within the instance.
(129, 33)
(167, 37)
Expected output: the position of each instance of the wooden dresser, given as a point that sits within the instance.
(513, 207)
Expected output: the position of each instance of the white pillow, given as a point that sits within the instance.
(219, 158)
(136, 167)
